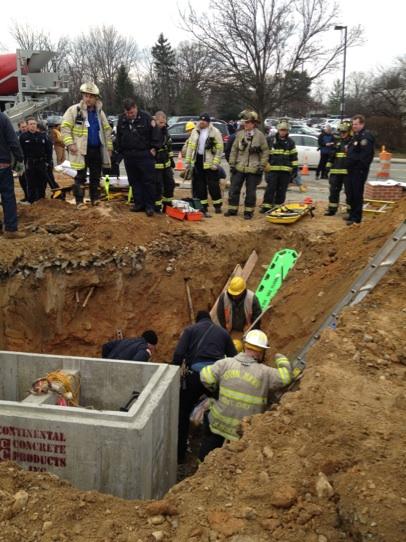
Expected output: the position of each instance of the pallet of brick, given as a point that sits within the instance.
(383, 190)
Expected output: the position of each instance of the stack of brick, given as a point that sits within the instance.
(382, 192)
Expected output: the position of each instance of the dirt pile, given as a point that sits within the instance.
(325, 465)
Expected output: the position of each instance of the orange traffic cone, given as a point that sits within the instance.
(305, 167)
(179, 163)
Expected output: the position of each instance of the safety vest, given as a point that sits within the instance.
(228, 310)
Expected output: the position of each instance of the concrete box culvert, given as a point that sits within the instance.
(128, 454)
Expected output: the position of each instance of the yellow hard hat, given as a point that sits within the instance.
(256, 340)
(237, 286)
(190, 126)
(89, 88)
(238, 345)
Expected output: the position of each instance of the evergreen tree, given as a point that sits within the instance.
(334, 98)
(164, 75)
(123, 88)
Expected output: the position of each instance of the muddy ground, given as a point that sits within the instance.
(345, 419)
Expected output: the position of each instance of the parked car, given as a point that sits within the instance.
(179, 135)
(303, 129)
(307, 149)
(183, 118)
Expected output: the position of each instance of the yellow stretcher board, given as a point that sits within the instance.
(288, 213)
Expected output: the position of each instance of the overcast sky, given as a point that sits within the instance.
(144, 20)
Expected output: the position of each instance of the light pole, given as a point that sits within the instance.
(342, 104)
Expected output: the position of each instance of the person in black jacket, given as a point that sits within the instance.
(201, 344)
(37, 156)
(164, 181)
(360, 153)
(326, 142)
(138, 139)
(134, 349)
(9, 148)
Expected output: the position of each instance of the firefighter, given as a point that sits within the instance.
(238, 307)
(337, 168)
(248, 157)
(37, 151)
(200, 345)
(243, 383)
(203, 156)
(189, 127)
(138, 139)
(165, 183)
(360, 153)
(59, 145)
(87, 135)
(282, 167)
(133, 349)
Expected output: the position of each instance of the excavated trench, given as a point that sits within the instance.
(62, 293)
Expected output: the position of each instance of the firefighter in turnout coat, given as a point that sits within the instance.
(86, 133)
(244, 384)
(248, 157)
(337, 168)
(203, 156)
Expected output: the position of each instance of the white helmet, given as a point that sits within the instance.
(257, 339)
(89, 88)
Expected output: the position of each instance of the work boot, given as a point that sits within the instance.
(81, 205)
(149, 212)
(96, 203)
(137, 208)
(206, 214)
(230, 212)
(217, 210)
(248, 215)
(264, 210)
(330, 212)
(14, 235)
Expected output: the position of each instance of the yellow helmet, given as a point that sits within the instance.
(238, 345)
(256, 340)
(237, 286)
(190, 125)
(89, 88)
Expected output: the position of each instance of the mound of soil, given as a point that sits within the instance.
(326, 464)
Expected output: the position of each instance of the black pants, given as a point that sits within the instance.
(50, 178)
(210, 441)
(321, 168)
(36, 175)
(237, 181)
(93, 162)
(22, 179)
(206, 180)
(277, 185)
(336, 184)
(355, 184)
(8, 199)
(164, 187)
(140, 170)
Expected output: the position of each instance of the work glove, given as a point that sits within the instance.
(260, 170)
(267, 167)
(172, 163)
(19, 168)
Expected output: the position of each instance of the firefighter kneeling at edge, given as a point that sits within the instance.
(244, 384)
(248, 157)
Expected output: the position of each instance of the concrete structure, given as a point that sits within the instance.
(95, 446)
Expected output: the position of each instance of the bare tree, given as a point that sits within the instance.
(257, 42)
